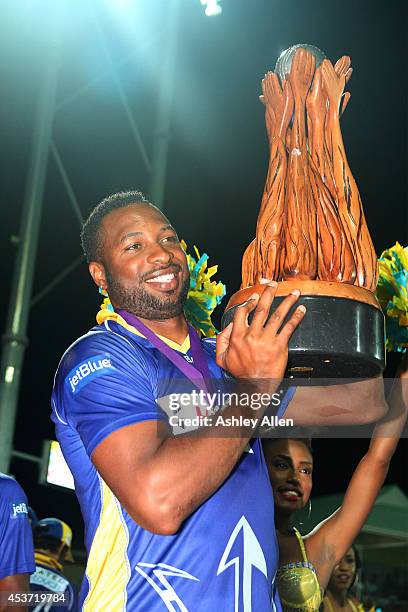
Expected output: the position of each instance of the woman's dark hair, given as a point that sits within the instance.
(358, 564)
(266, 442)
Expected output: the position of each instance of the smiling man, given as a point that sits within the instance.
(173, 522)
(155, 293)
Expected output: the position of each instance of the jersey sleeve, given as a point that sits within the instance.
(103, 385)
(285, 399)
(16, 539)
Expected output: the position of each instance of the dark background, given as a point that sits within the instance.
(217, 157)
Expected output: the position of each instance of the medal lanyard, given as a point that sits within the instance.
(198, 373)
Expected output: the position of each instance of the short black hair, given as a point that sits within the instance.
(90, 235)
(46, 542)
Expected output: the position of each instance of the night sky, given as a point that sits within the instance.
(217, 157)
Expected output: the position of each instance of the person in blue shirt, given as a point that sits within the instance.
(52, 547)
(172, 522)
(16, 541)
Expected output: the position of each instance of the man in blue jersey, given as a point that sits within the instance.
(52, 546)
(16, 543)
(172, 522)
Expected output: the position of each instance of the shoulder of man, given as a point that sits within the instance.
(108, 364)
(11, 491)
(102, 345)
(209, 346)
(16, 543)
(13, 501)
(209, 343)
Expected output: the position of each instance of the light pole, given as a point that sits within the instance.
(14, 339)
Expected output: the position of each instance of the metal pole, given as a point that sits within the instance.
(163, 119)
(67, 183)
(14, 340)
(56, 280)
(27, 457)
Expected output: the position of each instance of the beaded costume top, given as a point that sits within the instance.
(298, 586)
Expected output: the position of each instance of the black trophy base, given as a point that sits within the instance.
(338, 338)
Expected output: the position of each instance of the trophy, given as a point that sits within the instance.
(311, 231)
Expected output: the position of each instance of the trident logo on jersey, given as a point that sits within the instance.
(243, 564)
(164, 588)
(252, 557)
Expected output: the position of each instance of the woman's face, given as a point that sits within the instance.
(343, 574)
(290, 466)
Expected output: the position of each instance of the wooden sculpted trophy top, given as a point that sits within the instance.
(311, 232)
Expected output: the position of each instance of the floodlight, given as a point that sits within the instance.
(212, 7)
(54, 470)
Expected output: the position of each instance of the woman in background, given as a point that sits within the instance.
(337, 596)
(307, 563)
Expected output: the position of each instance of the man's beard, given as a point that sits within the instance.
(143, 304)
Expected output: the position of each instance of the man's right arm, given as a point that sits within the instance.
(161, 479)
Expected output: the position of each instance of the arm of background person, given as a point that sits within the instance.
(356, 403)
(18, 583)
(160, 479)
(330, 540)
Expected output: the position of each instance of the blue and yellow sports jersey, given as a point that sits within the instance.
(224, 557)
(16, 538)
(48, 578)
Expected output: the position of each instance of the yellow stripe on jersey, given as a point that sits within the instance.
(107, 569)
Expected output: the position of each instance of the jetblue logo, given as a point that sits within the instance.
(86, 371)
(18, 511)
